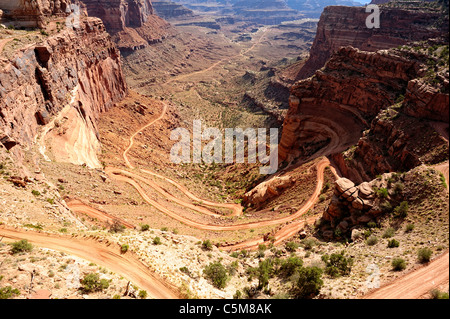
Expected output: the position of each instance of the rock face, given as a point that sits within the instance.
(132, 23)
(33, 13)
(353, 206)
(343, 26)
(328, 112)
(267, 190)
(170, 10)
(76, 69)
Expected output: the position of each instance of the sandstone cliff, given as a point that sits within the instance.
(33, 13)
(132, 24)
(71, 77)
(343, 26)
(328, 112)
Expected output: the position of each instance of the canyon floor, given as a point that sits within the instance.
(67, 211)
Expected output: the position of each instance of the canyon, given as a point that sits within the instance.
(86, 115)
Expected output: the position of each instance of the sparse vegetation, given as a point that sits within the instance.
(217, 274)
(8, 292)
(92, 283)
(424, 255)
(21, 246)
(398, 264)
(337, 264)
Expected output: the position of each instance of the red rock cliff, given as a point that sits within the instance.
(132, 23)
(80, 68)
(342, 26)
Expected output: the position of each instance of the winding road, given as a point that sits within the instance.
(127, 265)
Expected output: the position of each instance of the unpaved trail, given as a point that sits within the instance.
(127, 265)
(79, 207)
(417, 283)
(125, 153)
(129, 178)
(242, 54)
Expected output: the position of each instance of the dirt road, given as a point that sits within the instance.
(79, 207)
(131, 178)
(417, 283)
(127, 265)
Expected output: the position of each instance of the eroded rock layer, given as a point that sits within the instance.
(342, 26)
(75, 69)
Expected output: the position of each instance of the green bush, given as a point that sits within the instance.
(401, 211)
(156, 241)
(337, 265)
(308, 243)
(207, 245)
(290, 266)
(264, 272)
(424, 255)
(291, 246)
(92, 283)
(398, 264)
(382, 192)
(372, 240)
(309, 283)
(8, 292)
(124, 248)
(393, 243)
(436, 294)
(388, 233)
(217, 273)
(142, 294)
(21, 246)
(409, 228)
(145, 227)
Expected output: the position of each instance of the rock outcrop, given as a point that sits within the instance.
(76, 71)
(132, 24)
(267, 190)
(329, 112)
(354, 206)
(342, 26)
(171, 10)
(33, 13)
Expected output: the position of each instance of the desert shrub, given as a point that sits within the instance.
(309, 283)
(372, 224)
(124, 248)
(322, 198)
(393, 243)
(382, 192)
(217, 274)
(142, 294)
(409, 228)
(145, 227)
(264, 272)
(372, 240)
(291, 246)
(35, 192)
(290, 266)
(401, 211)
(92, 283)
(424, 255)
(436, 294)
(21, 246)
(156, 241)
(337, 264)
(8, 292)
(207, 245)
(386, 207)
(116, 227)
(308, 243)
(398, 264)
(388, 233)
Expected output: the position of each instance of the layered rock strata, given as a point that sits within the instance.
(73, 75)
